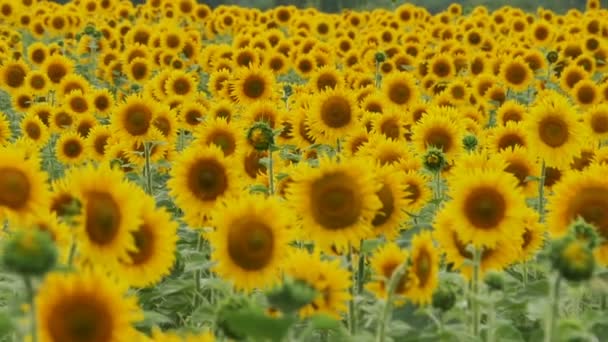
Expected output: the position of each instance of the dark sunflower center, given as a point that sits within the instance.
(223, 140)
(101, 103)
(37, 82)
(72, 148)
(137, 120)
(335, 204)
(553, 131)
(163, 125)
(485, 207)
(399, 93)
(391, 129)
(336, 112)
(207, 179)
(441, 69)
(79, 104)
(84, 127)
(100, 144)
(80, 318)
(140, 70)
(56, 72)
(181, 86)
(252, 163)
(388, 206)
(586, 94)
(193, 117)
(527, 238)
(516, 74)
(15, 76)
(326, 81)
(250, 243)
(144, 242)
(590, 203)
(254, 87)
(15, 188)
(520, 171)
(422, 267)
(510, 140)
(33, 130)
(103, 217)
(514, 116)
(439, 138)
(413, 191)
(599, 123)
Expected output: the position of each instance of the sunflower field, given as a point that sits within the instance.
(173, 172)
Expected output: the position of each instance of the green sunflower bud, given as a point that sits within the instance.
(495, 281)
(470, 142)
(585, 232)
(291, 296)
(260, 136)
(573, 258)
(444, 298)
(30, 253)
(434, 160)
(552, 56)
(89, 30)
(380, 57)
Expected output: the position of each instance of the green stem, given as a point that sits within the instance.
(553, 314)
(270, 173)
(541, 192)
(361, 270)
(147, 168)
(491, 322)
(197, 273)
(475, 291)
(388, 307)
(29, 288)
(377, 75)
(72, 253)
(603, 304)
(525, 273)
(351, 303)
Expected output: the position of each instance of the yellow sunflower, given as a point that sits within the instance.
(201, 179)
(417, 190)
(424, 269)
(336, 202)
(327, 277)
(533, 238)
(23, 189)
(553, 131)
(516, 73)
(228, 136)
(596, 119)
(510, 111)
(155, 241)
(70, 148)
(511, 135)
(383, 263)
(439, 128)
(521, 165)
(250, 242)
(132, 119)
(394, 200)
(85, 306)
(5, 130)
(333, 115)
(400, 88)
(97, 141)
(106, 222)
(252, 84)
(486, 206)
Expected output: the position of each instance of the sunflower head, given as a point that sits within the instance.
(30, 252)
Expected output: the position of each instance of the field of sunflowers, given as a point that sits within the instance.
(171, 172)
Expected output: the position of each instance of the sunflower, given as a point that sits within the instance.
(229, 137)
(50, 223)
(85, 306)
(262, 111)
(57, 67)
(509, 136)
(72, 82)
(439, 128)
(5, 130)
(84, 124)
(442, 66)
(37, 82)
(70, 148)
(166, 122)
(533, 238)
(553, 131)
(355, 142)
(510, 111)
(218, 83)
(391, 125)
(585, 93)
(97, 141)
(250, 160)
(393, 196)
(106, 222)
(337, 202)
(139, 70)
(417, 191)
(37, 53)
(23, 189)
(277, 62)
(579, 194)
(456, 254)
(400, 88)
(486, 206)
(523, 166)
(386, 152)
(42, 110)
(333, 114)
(571, 75)
(384, 263)
(22, 100)
(180, 83)
(155, 241)
(133, 118)
(77, 103)
(424, 269)
(252, 84)
(327, 277)
(12, 74)
(222, 109)
(249, 248)
(516, 73)
(304, 65)
(326, 77)
(202, 178)
(34, 130)
(102, 101)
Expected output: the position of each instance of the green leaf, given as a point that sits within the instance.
(370, 245)
(325, 322)
(258, 188)
(291, 296)
(508, 333)
(257, 325)
(152, 318)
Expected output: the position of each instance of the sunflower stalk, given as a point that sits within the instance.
(541, 192)
(270, 172)
(147, 168)
(475, 291)
(552, 313)
(388, 306)
(352, 320)
(29, 289)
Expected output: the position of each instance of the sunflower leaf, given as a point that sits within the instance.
(257, 325)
